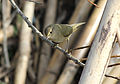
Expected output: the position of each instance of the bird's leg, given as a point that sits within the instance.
(54, 45)
(67, 45)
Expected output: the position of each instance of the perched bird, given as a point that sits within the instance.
(60, 32)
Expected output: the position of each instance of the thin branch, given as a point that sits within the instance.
(93, 3)
(112, 77)
(70, 57)
(115, 56)
(111, 65)
(84, 59)
(79, 48)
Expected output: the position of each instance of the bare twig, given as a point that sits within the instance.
(115, 56)
(93, 3)
(78, 48)
(84, 59)
(111, 65)
(70, 57)
(112, 77)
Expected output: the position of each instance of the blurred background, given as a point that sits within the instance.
(26, 59)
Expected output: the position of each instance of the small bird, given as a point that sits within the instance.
(60, 32)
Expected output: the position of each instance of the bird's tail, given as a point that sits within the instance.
(77, 26)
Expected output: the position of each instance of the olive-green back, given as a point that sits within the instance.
(66, 30)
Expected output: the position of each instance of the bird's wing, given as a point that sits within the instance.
(66, 30)
(76, 26)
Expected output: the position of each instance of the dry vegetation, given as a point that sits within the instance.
(26, 59)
